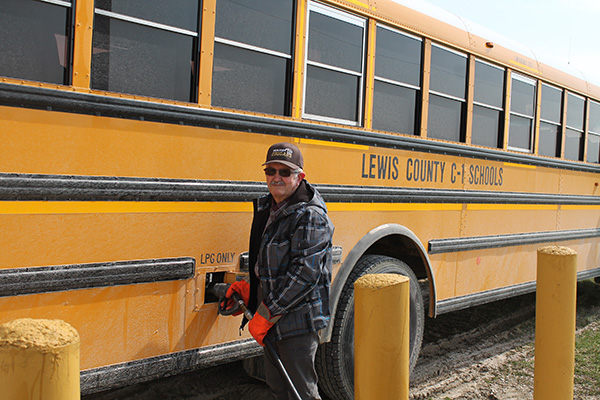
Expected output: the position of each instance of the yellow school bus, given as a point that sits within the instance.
(132, 134)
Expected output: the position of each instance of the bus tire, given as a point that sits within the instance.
(335, 359)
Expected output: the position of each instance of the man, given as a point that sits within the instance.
(290, 271)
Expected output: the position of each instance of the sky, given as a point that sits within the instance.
(562, 33)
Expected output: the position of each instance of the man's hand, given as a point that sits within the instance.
(242, 288)
(261, 323)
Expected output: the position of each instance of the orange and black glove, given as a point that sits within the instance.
(242, 288)
(261, 323)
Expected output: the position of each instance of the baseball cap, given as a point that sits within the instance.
(285, 153)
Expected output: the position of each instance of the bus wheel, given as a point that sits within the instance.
(335, 359)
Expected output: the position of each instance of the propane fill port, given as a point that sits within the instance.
(212, 278)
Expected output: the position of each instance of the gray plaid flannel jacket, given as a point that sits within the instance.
(294, 262)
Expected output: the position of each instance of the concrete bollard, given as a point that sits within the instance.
(555, 323)
(381, 337)
(39, 360)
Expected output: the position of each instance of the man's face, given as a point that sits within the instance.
(282, 187)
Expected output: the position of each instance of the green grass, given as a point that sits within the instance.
(587, 345)
(587, 361)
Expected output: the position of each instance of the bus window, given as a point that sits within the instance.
(522, 109)
(253, 54)
(33, 40)
(593, 149)
(447, 97)
(397, 81)
(574, 131)
(550, 121)
(334, 65)
(145, 48)
(487, 105)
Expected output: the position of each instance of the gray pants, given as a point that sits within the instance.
(297, 354)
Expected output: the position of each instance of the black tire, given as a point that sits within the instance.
(335, 359)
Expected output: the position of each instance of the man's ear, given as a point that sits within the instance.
(301, 176)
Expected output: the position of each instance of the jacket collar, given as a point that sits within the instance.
(304, 193)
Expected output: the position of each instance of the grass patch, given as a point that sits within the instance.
(588, 299)
(587, 346)
(587, 361)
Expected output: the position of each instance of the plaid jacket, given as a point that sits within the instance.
(294, 262)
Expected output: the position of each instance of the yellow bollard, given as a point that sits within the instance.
(39, 360)
(381, 337)
(555, 323)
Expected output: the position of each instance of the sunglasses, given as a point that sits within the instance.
(284, 172)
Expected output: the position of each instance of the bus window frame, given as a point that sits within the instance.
(446, 96)
(569, 128)
(67, 78)
(531, 81)
(410, 36)
(349, 18)
(417, 89)
(592, 132)
(195, 79)
(556, 124)
(501, 109)
(458, 53)
(145, 22)
(68, 4)
(289, 60)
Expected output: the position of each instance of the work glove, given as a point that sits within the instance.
(242, 288)
(261, 323)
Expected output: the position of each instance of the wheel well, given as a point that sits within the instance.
(392, 240)
(402, 248)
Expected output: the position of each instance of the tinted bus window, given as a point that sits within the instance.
(447, 94)
(523, 96)
(575, 107)
(262, 23)
(445, 120)
(489, 84)
(145, 57)
(573, 144)
(487, 105)
(522, 108)
(398, 57)
(574, 133)
(34, 42)
(253, 53)
(594, 120)
(394, 108)
(551, 107)
(550, 121)
(334, 65)
(549, 140)
(397, 81)
(593, 149)
(180, 13)
(335, 42)
(486, 126)
(245, 80)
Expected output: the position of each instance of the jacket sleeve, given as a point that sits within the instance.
(310, 249)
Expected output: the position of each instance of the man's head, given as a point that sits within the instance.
(283, 170)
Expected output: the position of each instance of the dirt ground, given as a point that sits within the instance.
(485, 352)
(488, 352)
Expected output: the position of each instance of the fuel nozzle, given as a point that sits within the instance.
(219, 290)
